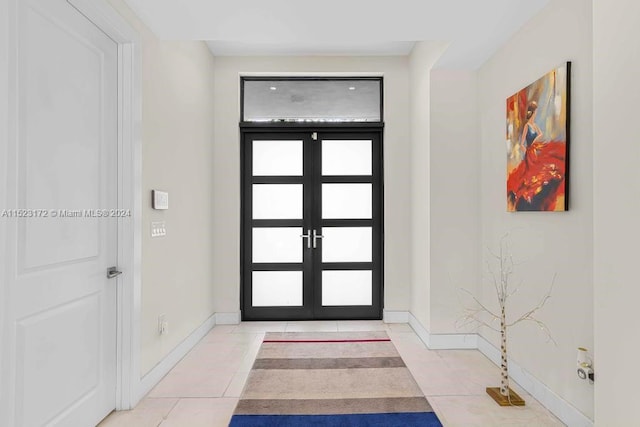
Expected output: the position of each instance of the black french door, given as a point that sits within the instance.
(312, 224)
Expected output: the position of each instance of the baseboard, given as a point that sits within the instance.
(543, 394)
(453, 341)
(232, 318)
(443, 341)
(420, 330)
(389, 316)
(153, 377)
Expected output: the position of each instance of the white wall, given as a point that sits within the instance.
(616, 62)
(421, 60)
(4, 146)
(177, 156)
(455, 196)
(445, 189)
(548, 242)
(226, 192)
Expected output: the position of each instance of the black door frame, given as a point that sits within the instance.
(251, 130)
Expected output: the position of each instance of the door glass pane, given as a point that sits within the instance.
(346, 244)
(322, 100)
(281, 244)
(348, 157)
(346, 201)
(273, 158)
(341, 287)
(277, 288)
(277, 201)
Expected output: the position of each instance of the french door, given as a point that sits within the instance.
(312, 224)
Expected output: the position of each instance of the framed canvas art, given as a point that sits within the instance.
(538, 144)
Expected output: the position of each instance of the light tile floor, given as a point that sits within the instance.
(204, 387)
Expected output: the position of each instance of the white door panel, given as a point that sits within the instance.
(61, 308)
(59, 369)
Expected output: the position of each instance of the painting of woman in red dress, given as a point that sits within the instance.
(537, 133)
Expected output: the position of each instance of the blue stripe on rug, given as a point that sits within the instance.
(397, 419)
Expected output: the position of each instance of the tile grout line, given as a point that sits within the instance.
(248, 352)
(164, 418)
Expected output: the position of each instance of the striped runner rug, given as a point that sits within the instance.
(353, 379)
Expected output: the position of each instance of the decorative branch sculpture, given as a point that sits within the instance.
(474, 316)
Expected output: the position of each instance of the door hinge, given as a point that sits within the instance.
(314, 136)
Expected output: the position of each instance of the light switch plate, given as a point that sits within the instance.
(160, 199)
(158, 229)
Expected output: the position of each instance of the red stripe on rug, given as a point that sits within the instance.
(328, 341)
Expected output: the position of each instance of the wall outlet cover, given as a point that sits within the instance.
(158, 229)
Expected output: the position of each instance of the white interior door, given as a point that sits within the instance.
(59, 347)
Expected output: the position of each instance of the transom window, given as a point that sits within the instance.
(311, 99)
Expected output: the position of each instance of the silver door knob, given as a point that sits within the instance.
(308, 237)
(316, 236)
(113, 272)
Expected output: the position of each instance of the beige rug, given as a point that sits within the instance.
(331, 379)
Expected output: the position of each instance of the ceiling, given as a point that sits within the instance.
(474, 28)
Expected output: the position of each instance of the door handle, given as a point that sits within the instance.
(316, 236)
(308, 237)
(113, 272)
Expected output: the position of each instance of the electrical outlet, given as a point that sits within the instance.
(163, 325)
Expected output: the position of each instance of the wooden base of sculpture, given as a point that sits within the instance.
(512, 400)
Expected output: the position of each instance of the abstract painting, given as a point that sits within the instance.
(538, 144)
